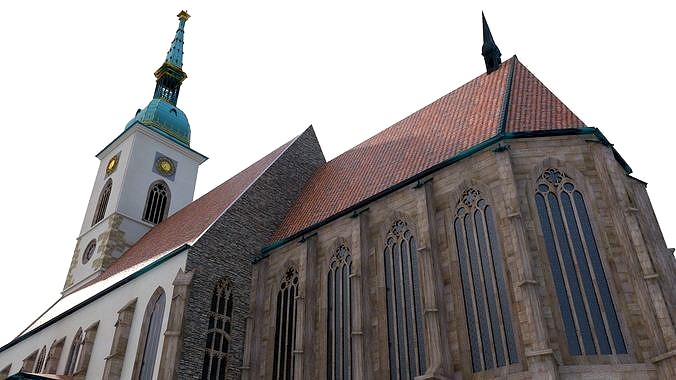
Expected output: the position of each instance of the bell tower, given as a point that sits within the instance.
(145, 174)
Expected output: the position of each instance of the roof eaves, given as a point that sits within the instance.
(98, 295)
(476, 148)
(582, 130)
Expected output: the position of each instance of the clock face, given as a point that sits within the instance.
(165, 166)
(112, 164)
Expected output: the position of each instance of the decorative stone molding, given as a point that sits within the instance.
(54, 355)
(29, 362)
(4, 373)
(118, 347)
(173, 336)
(86, 354)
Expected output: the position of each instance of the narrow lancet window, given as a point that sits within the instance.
(285, 322)
(157, 203)
(484, 287)
(338, 322)
(218, 333)
(150, 336)
(406, 343)
(40, 362)
(590, 322)
(74, 353)
(103, 202)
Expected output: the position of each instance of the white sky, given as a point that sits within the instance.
(74, 73)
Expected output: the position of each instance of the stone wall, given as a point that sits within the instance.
(634, 257)
(229, 247)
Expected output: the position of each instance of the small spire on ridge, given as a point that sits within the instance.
(489, 49)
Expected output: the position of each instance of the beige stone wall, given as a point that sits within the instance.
(632, 250)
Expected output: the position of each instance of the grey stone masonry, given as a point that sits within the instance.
(228, 248)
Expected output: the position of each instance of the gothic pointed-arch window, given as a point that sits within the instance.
(40, 362)
(484, 287)
(589, 319)
(101, 206)
(157, 202)
(405, 339)
(339, 316)
(285, 326)
(218, 333)
(75, 352)
(149, 340)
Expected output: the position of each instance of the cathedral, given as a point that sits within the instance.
(491, 234)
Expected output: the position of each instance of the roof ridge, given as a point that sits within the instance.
(418, 111)
(282, 149)
(502, 123)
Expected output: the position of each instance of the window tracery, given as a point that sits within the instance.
(157, 203)
(589, 319)
(102, 204)
(339, 315)
(484, 287)
(218, 333)
(285, 322)
(406, 343)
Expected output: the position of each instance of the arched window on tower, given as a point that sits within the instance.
(74, 353)
(103, 202)
(484, 289)
(404, 309)
(157, 203)
(149, 340)
(218, 333)
(339, 352)
(589, 319)
(285, 331)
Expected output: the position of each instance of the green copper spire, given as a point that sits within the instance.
(170, 75)
(162, 114)
(175, 53)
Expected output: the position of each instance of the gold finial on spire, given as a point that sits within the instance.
(183, 15)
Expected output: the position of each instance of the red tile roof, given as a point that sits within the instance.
(532, 107)
(190, 222)
(452, 124)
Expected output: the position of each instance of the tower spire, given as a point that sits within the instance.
(489, 49)
(170, 75)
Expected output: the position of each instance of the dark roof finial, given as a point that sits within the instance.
(489, 49)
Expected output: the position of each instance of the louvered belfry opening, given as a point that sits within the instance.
(218, 333)
(285, 331)
(338, 332)
(589, 319)
(405, 339)
(101, 206)
(157, 203)
(484, 287)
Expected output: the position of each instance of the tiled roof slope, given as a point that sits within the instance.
(190, 222)
(532, 107)
(452, 124)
